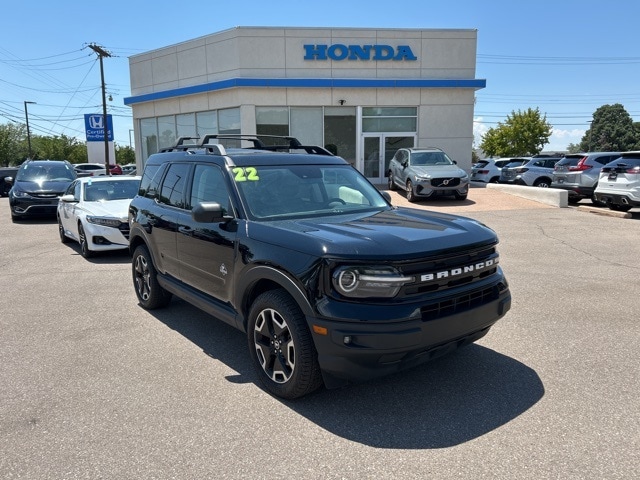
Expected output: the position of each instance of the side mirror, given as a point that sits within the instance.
(69, 198)
(8, 180)
(209, 212)
(386, 196)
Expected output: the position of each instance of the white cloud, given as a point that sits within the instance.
(560, 139)
(479, 129)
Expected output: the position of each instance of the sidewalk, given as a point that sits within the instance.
(479, 200)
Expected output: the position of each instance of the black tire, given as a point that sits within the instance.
(495, 180)
(145, 281)
(410, 195)
(619, 208)
(63, 237)
(392, 184)
(595, 201)
(542, 183)
(281, 346)
(85, 251)
(573, 200)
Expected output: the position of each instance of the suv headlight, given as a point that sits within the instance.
(104, 221)
(423, 178)
(368, 281)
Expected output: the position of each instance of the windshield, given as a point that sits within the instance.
(56, 172)
(287, 191)
(110, 190)
(430, 158)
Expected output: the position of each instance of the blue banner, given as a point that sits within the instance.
(94, 126)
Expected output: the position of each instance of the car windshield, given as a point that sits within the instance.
(110, 190)
(430, 158)
(34, 173)
(288, 191)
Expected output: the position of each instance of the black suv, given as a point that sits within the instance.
(292, 245)
(38, 186)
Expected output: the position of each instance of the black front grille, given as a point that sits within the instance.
(45, 194)
(462, 303)
(454, 267)
(445, 182)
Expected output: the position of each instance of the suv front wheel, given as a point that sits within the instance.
(145, 280)
(281, 346)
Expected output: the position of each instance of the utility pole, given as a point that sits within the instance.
(103, 53)
(26, 116)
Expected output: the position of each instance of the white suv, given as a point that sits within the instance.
(619, 183)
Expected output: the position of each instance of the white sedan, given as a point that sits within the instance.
(94, 212)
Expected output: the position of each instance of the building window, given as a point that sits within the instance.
(389, 119)
(340, 132)
(166, 131)
(149, 136)
(272, 121)
(306, 125)
(206, 123)
(186, 126)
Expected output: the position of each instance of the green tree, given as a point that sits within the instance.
(612, 130)
(59, 148)
(522, 133)
(574, 148)
(11, 144)
(125, 154)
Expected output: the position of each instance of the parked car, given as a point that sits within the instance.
(8, 173)
(37, 187)
(426, 173)
(619, 182)
(94, 212)
(578, 173)
(488, 170)
(96, 169)
(536, 172)
(129, 169)
(299, 251)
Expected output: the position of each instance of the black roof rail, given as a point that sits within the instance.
(292, 143)
(180, 145)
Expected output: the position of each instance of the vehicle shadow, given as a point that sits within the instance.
(110, 257)
(446, 402)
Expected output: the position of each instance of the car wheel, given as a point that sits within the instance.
(495, 180)
(411, 196)
(84, 244)
(619, 208)
(63, 237)
(145, 281)
(542, 183)
(392, 183)
(573, 200)
(281, 346)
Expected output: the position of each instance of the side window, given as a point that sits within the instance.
(209, 186)
(173, 185)
(71, 189)
(76, 190)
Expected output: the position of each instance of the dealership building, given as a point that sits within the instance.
(361, 92)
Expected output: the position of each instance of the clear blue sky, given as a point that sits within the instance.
(566, 58)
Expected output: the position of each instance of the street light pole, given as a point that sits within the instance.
(26, 116)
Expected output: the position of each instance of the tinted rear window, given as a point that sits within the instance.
(632, 161)
(570, 161)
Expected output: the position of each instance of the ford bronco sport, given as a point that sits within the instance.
(293, 246)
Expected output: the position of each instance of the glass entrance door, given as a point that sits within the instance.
(378, 150)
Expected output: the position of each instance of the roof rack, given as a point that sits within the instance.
(292, 143)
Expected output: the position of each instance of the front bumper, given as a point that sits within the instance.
(425, 189)
(355, 351)
(33, 206)
(102, 238)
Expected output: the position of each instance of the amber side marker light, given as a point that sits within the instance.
(320, 330)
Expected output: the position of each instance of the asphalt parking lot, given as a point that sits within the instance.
(93, 386)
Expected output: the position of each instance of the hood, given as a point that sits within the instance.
(401, 232)
(112, 208)
(43, 186)
(438, 171)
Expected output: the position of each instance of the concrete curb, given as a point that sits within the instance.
(604, 211)
(548, 196)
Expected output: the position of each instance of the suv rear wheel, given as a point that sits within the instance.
(281, 346)
(145, 280)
